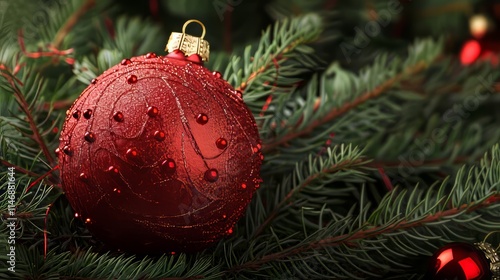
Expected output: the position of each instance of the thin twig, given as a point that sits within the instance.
(57, 105)
(39, 179)
(273, 61)
(19, 169)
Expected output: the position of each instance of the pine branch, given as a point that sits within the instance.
(318, 221)
(338, 159)
(324, 110)
(426, 140)
(353, 238)
(336, 112)
(70, 23)
(25, 108)
(390, 231)
(279, 59)
(85, 264)
(30, 206)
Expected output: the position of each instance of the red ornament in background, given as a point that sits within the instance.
(462, 261)
(470, 52)
(485, 46)
(155, 152)
(480, 50)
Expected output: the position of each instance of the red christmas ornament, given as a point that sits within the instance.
(155, 152)
(470, 52)
(462, 261)
(485, 45)
(480, 50)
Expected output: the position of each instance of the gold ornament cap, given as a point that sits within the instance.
(492, 256)
(189, 44)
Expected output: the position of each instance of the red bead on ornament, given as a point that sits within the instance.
(162, 158)
(462, 261)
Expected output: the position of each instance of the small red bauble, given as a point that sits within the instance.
(157, 162)
(480, 50)
(470, 52)
(460, 261)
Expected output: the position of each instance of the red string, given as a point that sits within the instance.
(53, 52)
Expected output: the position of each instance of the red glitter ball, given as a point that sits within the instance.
(165, 166)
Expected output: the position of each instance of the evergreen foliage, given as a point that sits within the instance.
(372, 161)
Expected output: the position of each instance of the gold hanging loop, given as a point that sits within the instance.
(189, 44)
(198, 22)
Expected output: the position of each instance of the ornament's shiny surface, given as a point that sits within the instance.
(460, 261)
(163, 159)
